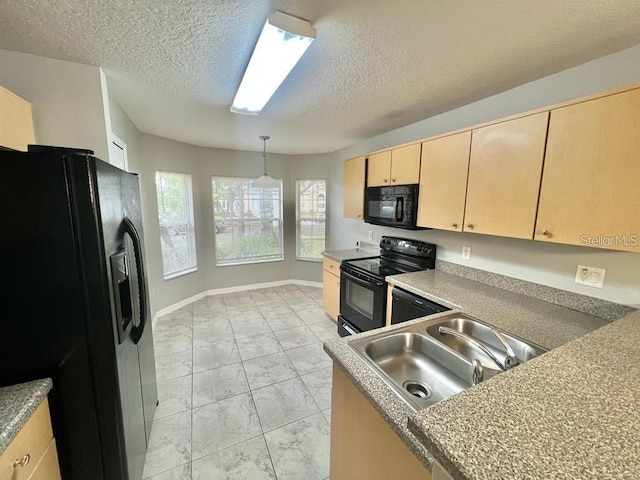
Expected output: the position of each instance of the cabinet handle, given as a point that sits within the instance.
(393, 180)
(331, 266)
(470, 225)
(454, 225)
(546, 233)
(22, 462)
(386, 180)
(359, 216)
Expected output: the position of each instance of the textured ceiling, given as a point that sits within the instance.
(376, 65)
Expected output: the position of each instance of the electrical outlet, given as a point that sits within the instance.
(370, 235)
(590, 276)
(466, 252)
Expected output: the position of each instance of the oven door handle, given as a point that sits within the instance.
(348, 328)
(360, 281)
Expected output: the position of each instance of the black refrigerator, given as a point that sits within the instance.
(75, 305)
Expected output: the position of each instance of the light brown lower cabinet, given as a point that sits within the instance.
(32, 454)
(48, 468)
(363, 445)
(331, 287)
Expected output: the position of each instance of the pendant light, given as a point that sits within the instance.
(265, 181)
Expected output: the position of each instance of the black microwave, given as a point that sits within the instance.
(392, 206)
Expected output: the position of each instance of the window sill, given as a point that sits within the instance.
(306, 259)
(249, 262)
(173, 275)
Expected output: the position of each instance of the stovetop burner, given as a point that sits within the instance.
(379, 267)
(398, 255)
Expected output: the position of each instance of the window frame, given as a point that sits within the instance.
(298, 220)
(189, 221)
(247, 260)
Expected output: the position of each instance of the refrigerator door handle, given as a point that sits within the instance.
(130, 229)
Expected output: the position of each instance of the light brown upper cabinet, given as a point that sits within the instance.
(591, 182)
(505, 167)
(379, 169)
(443, 181)
(354, 176)
(400, 166)
(16, 124)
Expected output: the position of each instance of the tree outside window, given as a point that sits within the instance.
(310, 219)
(247, 221)
(175, 217)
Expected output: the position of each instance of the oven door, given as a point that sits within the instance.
(362, 299)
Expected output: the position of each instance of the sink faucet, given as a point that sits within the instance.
(510, 360)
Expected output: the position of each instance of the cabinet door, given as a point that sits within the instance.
(331, 294)
(363, 445)
(443, 182)
(405, 165)
(505, 167)
(379, 169)
(591, 181)
(16, 124)
(48, 468)
(29, 444)
(354, 172)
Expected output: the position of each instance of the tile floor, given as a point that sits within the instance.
(244, 388)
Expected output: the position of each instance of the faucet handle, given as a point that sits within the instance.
(478, 372)
(510, 360)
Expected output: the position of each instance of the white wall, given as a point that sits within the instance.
(553, 265)
(148, 153)
(66, 99)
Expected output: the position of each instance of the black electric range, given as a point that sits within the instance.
(363, 289)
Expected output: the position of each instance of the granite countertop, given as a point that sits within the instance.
(17, 404)
(572, 413)
(351, 253)
(535, 320)
(538, 321)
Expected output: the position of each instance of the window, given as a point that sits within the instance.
(247, 221)
(310, 218)
(175, 216)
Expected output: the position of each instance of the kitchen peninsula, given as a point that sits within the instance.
(556, 416)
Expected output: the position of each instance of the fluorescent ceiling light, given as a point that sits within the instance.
(283, 40)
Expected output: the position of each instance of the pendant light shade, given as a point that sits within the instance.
(265, 181)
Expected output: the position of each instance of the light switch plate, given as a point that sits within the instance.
(370, 235)
(466, 252)
(590, 276)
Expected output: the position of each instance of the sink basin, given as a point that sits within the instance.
(424, 367)
(481, 331)
(415, 364)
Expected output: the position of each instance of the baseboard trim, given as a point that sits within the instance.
(219, 291)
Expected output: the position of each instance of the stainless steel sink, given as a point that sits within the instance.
(416, 364)
(481, 331)
(424, 367)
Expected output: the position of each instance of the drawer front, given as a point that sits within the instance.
(331, 266)
(32, 440)
(48, 468)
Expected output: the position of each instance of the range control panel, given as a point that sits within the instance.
(415, 248)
